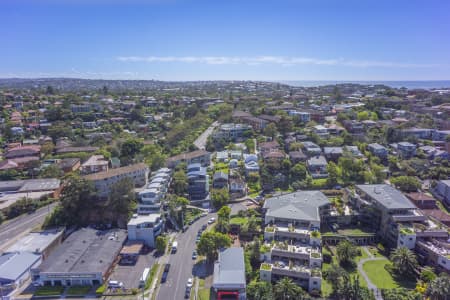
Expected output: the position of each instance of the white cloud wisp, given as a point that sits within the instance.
(274, 60)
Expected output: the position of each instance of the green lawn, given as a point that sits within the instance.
(238, 220)
(49, 291)
(319, 183)
(78, 290)
(203, 293)
(326, 285)
(383, 279)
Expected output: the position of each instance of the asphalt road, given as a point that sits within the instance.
(12, 230)
(181, 263)
(200, 142)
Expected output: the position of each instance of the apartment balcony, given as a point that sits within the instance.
(298, 251)
(289, 231)
(294, 271)
(411, 216)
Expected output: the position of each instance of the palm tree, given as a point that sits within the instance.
(404, 261)
(345, 252)
(286, 289)
(439, 288)
(336, 275)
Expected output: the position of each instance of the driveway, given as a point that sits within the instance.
(130, 275)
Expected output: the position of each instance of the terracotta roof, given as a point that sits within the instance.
(420, 197)
(437, 214)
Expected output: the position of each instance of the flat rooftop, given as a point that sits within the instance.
(387, 196)
(35, 242)
(151, 218)
(230, 268)
(30, 185)
(86, 250)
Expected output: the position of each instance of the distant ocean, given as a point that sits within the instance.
(431, 84)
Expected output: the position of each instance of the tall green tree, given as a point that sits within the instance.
(439, 288)
(286, 289)
(210, 242)
(220, 197)
(259, 290)
(345, 252)
(404, 261)
(180, 182)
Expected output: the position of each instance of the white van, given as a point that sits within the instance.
(174, 246)
(144, 277)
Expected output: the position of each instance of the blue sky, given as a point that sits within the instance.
(227, 39)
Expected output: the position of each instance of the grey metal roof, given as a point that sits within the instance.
(36, 242)
(30, 185)
(300, 205)
(230, 268)
(14, 264)
(85, 251)
(317, 161)
(387, 196)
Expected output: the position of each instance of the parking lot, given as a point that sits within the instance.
(131, 274)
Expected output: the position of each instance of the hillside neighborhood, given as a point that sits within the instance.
(223, 190)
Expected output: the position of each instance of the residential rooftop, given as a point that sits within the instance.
(300, 205)
(387, 196)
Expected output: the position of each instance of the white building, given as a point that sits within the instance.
(145, 228)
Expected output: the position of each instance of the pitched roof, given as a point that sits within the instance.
(14, 264)
(300, 205)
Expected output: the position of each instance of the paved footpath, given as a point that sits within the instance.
(370, 285)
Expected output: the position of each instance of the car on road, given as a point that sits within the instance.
(204, 226)
(197, 240)
(167, 268)
(194, 254)
(212, 220)
(204, 214)
(189, 283)
(115, 284)
(187, 294)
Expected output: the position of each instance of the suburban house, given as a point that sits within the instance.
(333, 153)
(292, 235)
(311, 149)
(406, 150)
(23, 151)
(378, 150)
(229, 275)
(95, 164)
(317, 166)
(220, 180)
(297, 156)
(442, 191)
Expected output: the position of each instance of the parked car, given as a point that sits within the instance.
(189, 283)
(115, 284)
(194, 254)
(212, 220)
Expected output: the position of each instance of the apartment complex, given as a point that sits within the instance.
(150, 198)
(292, 235)
(231, 132)
(199, 156)
(198, 183)
(103, 181)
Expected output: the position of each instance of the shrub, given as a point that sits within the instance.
(101, 289)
